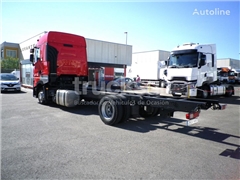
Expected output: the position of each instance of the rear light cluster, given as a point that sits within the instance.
(192, 115)
(223, 106)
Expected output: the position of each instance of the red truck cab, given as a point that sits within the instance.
(58, 58)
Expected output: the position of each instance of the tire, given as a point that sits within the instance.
(205, 92)
(110, 110)
(143, 113)
(126, 108)
(176, 95)
(41, 97)
(156, 112)
(229, 91)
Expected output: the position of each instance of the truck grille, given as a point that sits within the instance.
(179, 88)
(178, 79)
(10, 84)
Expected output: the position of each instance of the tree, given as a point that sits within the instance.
(10, 63)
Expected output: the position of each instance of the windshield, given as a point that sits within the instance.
(8, 77)
(183, 60)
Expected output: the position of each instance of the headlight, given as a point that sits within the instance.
(192, 85)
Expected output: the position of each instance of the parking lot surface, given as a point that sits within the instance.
(54, 142)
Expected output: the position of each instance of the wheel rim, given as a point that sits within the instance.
(40, 96)
(107, 110)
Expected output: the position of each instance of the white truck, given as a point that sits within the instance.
(16, 73)
(192, 71)
(237, 75)
(150, 66)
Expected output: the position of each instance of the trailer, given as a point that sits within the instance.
(150, 66)
(61, 76)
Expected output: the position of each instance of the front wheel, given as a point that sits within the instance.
(41, 97)
(229, 91)
(147, 111)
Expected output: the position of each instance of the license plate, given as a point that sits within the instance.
(10, 89)
(192, 121)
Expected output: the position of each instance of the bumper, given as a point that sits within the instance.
(10, 89)
(231, 81)
(181, 89)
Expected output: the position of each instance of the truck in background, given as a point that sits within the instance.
(237, 75)
(61, 75)
(192, 71)
(16, 73)
(223, 75)
(150, 66)
(226, 75)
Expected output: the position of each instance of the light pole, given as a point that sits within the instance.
(126, 36)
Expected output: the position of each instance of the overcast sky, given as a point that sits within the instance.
(149, 25)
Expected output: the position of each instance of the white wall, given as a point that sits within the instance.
(108, 52)
(228, 62)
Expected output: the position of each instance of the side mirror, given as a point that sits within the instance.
(165, 72)
(31, 58)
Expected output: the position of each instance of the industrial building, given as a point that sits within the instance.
(228, 62)
(9, 49)
(106, 60)
(99, 54)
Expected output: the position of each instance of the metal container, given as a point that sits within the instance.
(108, 52)
(217, 90)
(67, 98)
(148, 64)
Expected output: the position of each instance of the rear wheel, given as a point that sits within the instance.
(148, 111)
(126, 108)
(110, 110)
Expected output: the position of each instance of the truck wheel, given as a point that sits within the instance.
(152, 112)
(110, 110)
(126, 108)
(176, 95)
(229, 91)
(205, 92)
(41, 97)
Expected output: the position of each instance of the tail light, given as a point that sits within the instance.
(223, 106)
(192, 115)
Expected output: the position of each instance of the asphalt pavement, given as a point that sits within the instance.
(54, 142)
